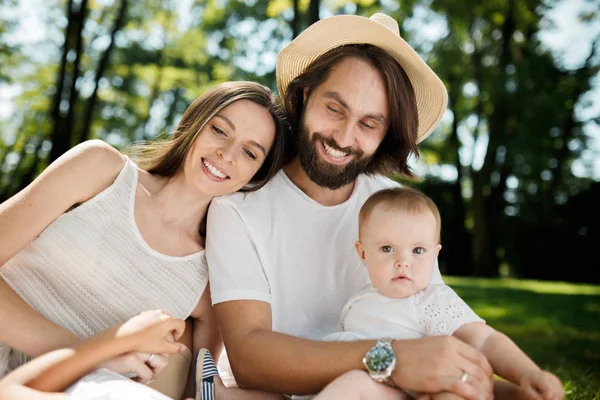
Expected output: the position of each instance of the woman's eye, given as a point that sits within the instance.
(386, 249)
(250, 154)
(218, 131)
(418, 250)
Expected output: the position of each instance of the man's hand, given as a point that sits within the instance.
(542, 385)
(437, 364)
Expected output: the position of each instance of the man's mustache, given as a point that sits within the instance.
(333, 144)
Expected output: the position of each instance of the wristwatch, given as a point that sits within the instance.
(380, 362)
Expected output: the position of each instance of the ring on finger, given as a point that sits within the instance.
(130, 374)
(150, 359)
(150, 381)
(464, 377)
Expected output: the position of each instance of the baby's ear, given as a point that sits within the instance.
(437, 249)
(360, 250)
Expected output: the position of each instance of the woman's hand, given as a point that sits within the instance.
(152, 336)
(131, 365)
(153, 332)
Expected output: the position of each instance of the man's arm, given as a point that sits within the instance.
(267, 360)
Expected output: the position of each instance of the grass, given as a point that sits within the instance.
(557, 324)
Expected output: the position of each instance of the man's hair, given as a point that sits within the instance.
(402, 199)
(401, 138)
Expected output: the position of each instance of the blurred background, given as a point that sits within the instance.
(514, 166)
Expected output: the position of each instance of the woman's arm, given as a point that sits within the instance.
(75, 177)
(55, 371)
(205, 334)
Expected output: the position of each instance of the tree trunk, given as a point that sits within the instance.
(460, 262)
(66, 89)
(484, 249)
(55, 114)
(153, 96)
(313, 12)
(84, 134)
(296, 20)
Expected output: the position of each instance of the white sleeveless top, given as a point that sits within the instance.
(91, 269)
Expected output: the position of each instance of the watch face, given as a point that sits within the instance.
(379, 359)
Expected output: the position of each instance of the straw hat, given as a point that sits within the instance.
(380, 30)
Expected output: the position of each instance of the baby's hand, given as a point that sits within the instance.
(153, 332)
(542, 385)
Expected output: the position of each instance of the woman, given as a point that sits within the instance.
(97, 239)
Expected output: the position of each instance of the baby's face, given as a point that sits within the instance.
(399, 249)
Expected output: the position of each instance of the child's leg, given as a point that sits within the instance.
(507, 391)
(358, 385)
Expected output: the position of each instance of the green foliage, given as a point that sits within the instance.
(556, 324)
(507, 93)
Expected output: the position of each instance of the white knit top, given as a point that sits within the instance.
(91, 269)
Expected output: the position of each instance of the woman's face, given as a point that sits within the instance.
(230, 149)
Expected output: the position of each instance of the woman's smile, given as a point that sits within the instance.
(213, 171)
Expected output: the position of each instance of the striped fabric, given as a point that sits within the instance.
(205, 376)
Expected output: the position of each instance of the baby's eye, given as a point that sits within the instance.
(386, 249)
(418, 250)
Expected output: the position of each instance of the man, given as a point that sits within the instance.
(281, 259)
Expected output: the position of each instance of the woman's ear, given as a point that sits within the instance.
(360, 250)
(304, 96)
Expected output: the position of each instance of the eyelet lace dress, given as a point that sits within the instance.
(434, 311)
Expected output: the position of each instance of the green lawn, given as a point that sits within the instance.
(557, 324)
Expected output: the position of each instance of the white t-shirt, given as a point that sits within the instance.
(434, 311)
(279, 246)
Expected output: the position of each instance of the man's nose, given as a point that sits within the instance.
(344, 135)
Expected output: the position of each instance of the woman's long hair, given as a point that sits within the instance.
(166, 157)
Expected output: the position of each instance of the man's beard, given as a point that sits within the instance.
(321, 172)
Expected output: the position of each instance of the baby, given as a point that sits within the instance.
(399, 241)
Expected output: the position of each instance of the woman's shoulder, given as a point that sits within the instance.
(96, 157)
(90, 166)
(100, 153)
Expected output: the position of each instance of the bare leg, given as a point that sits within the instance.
(509, 391)
(358, 385)
(233, 393)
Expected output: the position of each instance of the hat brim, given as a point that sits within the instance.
(324, 35)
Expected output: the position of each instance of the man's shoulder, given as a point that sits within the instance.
(250, 200)
(376, 182)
